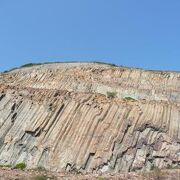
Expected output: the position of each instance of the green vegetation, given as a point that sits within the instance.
(101, 178)
(37, 64)
(30, 65)
(98, 62)
(40, 177)
(21, 166)
(10, 70)
(111, 94)
(8, 166)
(129, 99)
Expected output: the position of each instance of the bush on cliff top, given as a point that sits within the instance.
(37, 64)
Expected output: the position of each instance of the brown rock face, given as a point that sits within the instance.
(58, 116)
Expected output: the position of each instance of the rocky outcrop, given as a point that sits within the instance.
(58, 116)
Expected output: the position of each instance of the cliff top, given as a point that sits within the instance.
(70, 64)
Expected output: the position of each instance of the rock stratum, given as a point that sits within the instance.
(59, 117)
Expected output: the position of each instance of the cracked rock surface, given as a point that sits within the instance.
(58, 117)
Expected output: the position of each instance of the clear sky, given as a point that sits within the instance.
(136, 33)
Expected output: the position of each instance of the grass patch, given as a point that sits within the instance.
(101, 178)
(129, 99)
(111, 94)
(8, 166)
(21, 166)
(40, 177)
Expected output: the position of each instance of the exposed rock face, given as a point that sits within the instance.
(58, 116)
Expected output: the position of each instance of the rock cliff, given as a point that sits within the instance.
(89, 117)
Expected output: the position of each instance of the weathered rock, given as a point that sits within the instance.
(58, 116)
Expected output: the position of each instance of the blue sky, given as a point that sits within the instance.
(134, 33)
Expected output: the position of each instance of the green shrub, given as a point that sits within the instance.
(30, 65)
(105, 63)
(111, 94)
(129, 99)
(10, 70)
(40, 177)
(21, 166)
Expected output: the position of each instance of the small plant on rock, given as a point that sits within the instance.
(129, 99)
(5, 166)
(111, 94)
(101, 178)
(40, 177)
